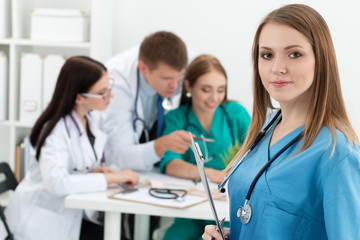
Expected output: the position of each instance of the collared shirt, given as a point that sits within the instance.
(148, 98)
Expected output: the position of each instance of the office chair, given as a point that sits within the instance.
(9, 183)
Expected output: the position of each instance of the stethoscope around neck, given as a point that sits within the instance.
(167, 105)
(244, 212)
(188, 125)
(87, 168)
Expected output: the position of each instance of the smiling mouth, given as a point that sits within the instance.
(210, 106)
(280, 83)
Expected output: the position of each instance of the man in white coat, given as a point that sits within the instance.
(146, 80)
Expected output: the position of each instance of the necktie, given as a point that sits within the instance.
(160, 116)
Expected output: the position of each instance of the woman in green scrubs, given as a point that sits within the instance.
(206, 113)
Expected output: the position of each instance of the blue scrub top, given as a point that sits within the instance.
(219, 131)
(311, 195)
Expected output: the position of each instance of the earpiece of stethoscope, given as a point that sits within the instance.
(221, 186)
(167, 104)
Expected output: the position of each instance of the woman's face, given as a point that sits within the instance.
(208, 92)
(101, 87)
(286, 63)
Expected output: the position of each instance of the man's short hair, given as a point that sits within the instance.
(163, 47)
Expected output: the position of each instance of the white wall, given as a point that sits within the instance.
(226, 30)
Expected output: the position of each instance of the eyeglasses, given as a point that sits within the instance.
(105, 96)
(166, 193)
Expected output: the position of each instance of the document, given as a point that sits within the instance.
(200, 164)
(3, 86)
(30, 87)
(4, 18)
(52, 66)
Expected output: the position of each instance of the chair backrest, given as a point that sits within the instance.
(10, 181)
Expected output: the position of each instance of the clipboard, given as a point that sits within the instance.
(200, 164)
(142, 196)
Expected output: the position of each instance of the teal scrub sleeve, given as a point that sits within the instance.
(342, 199)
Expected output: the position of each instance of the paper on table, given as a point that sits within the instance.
(143, 196)
(165, 179)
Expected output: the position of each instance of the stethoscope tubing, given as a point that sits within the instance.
(102, 161)
(257, 140)
(188, 124)
(266, 166)
(245, 212)
(137, 118)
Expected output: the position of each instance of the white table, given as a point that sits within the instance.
(113, 209)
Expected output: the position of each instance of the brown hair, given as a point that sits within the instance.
(198, 67)
(327, 106)
(163, 47)
(77, 75)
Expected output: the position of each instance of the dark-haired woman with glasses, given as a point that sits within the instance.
(68, 158)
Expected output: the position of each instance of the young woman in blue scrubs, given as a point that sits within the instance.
(68, 158)
(311, 190)
(205, 112)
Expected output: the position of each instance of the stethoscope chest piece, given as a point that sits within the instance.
(167, 104)
(244, 213)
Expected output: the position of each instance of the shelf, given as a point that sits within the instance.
(16, 124)
(6, 123)
(17, 42)
(23, 124)
(29, 42)
(5, 41)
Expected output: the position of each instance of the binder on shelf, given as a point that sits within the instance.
(23, 158)
(31, 71)
(4, 18)
(52, 67)
(18, 155)
(3, 86)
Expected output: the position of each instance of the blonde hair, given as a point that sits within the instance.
(327, 106)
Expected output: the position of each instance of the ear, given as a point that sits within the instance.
(187, 85)
(142, 67)
(79, 99)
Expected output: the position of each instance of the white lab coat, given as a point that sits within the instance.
(122, 148)
(36, 210)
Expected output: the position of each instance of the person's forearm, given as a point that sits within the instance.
(182, 169)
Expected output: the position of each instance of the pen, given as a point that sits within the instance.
(195, 181)
(221, 223)
(204, 139)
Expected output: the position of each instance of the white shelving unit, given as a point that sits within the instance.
(12, 131)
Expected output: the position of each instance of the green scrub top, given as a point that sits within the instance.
(219, 131)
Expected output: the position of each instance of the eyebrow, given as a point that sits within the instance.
(222, 86)
(287, 48)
